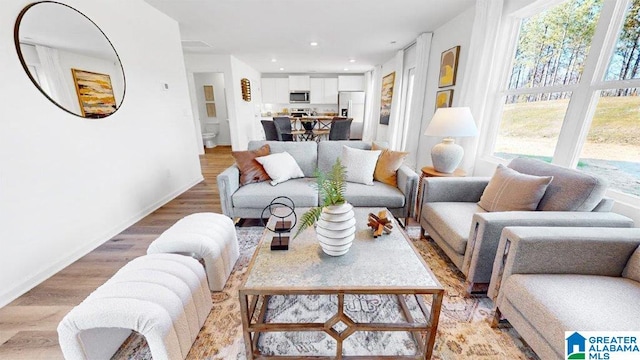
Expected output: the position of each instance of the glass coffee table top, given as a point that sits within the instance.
(388, 262)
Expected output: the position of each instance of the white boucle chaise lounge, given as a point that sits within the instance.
(207, 236)
(164, 297)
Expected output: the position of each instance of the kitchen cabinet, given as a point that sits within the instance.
(324, 90)
(299, 82)
(275, 90)
(351, 83)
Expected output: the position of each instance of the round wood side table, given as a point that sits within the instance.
(429, 171)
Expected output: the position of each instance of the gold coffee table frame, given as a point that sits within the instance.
(304, 257)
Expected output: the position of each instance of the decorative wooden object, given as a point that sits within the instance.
(380, 224)
(245, 84)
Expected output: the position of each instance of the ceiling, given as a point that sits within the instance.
(258, 31)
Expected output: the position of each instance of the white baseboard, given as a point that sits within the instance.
(28, 284)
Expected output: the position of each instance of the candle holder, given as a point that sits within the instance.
(281, 225)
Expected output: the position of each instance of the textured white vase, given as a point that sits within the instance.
(446, 156)
(336, 229)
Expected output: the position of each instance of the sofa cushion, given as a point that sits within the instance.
(509, 190)
(388, 164)
(554, 303)
(305, 152)
(280, 167)
(259, 195)
(378, 195)
(251, 171)
(452, 220)
(359, 164)
(570, 190)
(329, 151)
(632, 270)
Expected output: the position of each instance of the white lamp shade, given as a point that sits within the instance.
(452, 122)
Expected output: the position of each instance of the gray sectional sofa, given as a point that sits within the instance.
(550, 280)
(249, 200)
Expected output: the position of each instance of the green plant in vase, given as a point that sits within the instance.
(331, 187)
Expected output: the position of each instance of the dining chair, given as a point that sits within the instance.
(340, 129)
(269, 127)
(283, 128)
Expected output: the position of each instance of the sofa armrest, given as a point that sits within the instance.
(486, 228)
(562, 250)
(453, 189)
(228, 182)
(408, 184)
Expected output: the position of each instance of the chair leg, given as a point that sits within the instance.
(497, 317)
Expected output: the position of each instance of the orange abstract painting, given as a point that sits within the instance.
(95, 93)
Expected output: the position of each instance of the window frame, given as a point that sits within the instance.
(584, 94)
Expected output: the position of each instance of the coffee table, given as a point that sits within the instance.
(388, 265)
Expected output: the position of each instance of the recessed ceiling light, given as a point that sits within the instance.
(313, 43)
(281, 69)
(345, 69)
(352, 60)
(274, 60)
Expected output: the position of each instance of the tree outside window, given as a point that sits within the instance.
(547, 79)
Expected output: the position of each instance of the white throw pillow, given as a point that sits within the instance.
(280, 167)
(360, 164)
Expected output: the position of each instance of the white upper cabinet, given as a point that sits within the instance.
(299, 82)
(351, 83)
(275, 90)
(268, 90)
(324, 91)
(282, 90)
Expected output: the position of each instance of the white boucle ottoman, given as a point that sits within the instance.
(207, 236)
(164, 297)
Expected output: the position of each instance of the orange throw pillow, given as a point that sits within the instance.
(388, 164)
(250, 170)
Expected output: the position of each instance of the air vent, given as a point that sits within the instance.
(195, 44)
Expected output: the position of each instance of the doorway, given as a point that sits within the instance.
(211, 109)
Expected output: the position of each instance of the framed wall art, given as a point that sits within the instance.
(208, 93)
(448, 67)
(95, 93)
(386, 97)
(444, 98)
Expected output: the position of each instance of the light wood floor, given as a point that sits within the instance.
(28, 324)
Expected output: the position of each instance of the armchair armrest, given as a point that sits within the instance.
(562, 250)
(408, 184)
(486, 229)
(453, 189)
(228, 182)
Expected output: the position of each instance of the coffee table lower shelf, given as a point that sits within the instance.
(254, 313)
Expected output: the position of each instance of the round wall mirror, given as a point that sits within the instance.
(69, 59)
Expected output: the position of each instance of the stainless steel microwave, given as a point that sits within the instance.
(299, 97)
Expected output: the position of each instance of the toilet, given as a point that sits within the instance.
(209, 134)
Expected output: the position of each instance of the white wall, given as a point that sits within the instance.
(244, 117)
(247, 124)
(68, 184)
(455, 32)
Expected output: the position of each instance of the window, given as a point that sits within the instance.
(572, 93)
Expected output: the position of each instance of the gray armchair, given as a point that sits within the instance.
(469, 235)
(550, 280)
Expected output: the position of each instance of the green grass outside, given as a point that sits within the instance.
(616, 120)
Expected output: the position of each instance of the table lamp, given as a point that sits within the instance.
(449, 123)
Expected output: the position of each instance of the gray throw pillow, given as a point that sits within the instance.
(509, 190)
(632, 270)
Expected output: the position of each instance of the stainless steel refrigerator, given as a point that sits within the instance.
(351, 104)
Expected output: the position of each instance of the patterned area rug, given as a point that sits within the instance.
(463, 331)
